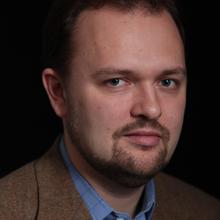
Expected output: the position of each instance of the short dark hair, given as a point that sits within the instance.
(61, 20)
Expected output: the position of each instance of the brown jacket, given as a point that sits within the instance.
(43, 190)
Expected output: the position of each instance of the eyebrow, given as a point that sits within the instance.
(112, 71)
(175, 71)
(124, 72)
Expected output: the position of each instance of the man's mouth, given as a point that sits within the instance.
(144, 138)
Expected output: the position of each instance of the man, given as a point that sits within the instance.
(115, 73)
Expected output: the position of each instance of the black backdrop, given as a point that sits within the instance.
(29, 126)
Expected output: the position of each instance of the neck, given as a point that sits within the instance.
(120, 198)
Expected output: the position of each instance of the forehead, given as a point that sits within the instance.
(108, 36)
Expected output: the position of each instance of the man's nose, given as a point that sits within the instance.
(146, 104)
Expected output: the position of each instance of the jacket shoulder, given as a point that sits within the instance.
(18, 194)
(181, 200)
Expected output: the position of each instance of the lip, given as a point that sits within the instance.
(144, 138)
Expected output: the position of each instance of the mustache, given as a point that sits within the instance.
(143, 123)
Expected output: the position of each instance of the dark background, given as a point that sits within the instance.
(29, 126)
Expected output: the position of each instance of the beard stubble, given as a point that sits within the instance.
(123, 167)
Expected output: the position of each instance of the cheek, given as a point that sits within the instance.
(175, 121)
(104, 121)
(107, 116)
(108, 111)
(174, 111)
(172, 118)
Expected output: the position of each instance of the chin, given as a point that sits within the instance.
(129, 170)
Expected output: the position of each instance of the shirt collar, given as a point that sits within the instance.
(97, 207)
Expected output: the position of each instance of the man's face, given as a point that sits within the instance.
(126, 93)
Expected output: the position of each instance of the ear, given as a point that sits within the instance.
(55, 91)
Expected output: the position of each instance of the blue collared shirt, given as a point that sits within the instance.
(98, 208)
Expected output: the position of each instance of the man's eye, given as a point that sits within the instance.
(116, 82)
(169, 83)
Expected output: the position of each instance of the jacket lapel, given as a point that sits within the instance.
(58, 198)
